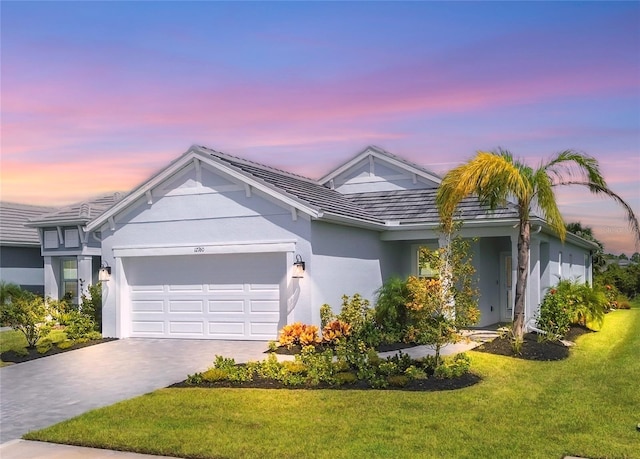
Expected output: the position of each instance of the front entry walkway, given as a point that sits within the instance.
(42, 392)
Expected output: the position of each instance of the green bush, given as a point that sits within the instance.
(391, 310)
(345, 377)
(215, 374)
(66, 344)
(80, 325)
(26, 313)
(570, 302)
(398, 380)
(453, 367)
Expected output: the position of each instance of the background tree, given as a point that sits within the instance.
(495, 178)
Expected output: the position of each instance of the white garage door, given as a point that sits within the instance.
(235, 296)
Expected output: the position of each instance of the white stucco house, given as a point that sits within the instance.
(70, 255)
(206, 247)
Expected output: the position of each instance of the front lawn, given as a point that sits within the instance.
(586, 405)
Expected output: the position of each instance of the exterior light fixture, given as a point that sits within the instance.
(298, 268)
(105, 272)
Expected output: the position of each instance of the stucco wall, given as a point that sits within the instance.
(345, 261)
(201, 219)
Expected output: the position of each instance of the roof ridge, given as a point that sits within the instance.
(232, 158)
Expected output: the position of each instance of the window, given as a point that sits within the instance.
(69, 279)
(71, 238)
(50, 239)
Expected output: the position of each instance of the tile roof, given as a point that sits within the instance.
(405, 206)
(418, 206)
(79, 213)
(13, 217)
(308, 190)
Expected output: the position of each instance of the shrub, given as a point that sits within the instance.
(28, 314)
(334, 331)
(570, 302)
(345, 377)
(391, 310)
(326, 315)
(215, 374)
(554, 316)
(44, 347)
(91, 304)
(414, 372)
(300, 334)
(66, 344)
(398, 380)
(453, 367)
(80, 325)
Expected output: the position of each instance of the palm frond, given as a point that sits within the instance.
(570, 163)
(493, 177)
(547, 203)
(597, 188)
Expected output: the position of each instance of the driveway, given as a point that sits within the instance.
(42, 392)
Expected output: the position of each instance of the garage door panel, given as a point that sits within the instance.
(226, 329)
(266, 330)
(147, 306)
(222, 306)
(235, 296)
(186, 306)
(265, 306)
(155, 328)
(186, 328)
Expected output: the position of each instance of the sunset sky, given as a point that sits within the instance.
(97, 96)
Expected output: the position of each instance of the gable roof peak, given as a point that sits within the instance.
(373, 150)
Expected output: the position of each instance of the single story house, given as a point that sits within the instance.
(71, 255)
(212, 246)
(20, 259)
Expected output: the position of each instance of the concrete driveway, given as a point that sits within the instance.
(42, 392)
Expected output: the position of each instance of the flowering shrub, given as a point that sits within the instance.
(570, 302)
(300, 334)
(555, 314)
(334, 331)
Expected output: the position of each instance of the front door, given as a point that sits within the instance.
(506, 287)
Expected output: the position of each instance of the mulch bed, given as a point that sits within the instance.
(425, 385)
(532, 349)
(14, 357)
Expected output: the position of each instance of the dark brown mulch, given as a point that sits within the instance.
(425, 385)
(532, 349)
(14, 357)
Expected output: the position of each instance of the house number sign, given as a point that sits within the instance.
(199, 249)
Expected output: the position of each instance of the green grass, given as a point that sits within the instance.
(587, 405)
(15, 340)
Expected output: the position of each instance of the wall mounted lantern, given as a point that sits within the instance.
(298, 268)
(105, 272)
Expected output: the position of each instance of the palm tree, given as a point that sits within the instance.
(495, 177)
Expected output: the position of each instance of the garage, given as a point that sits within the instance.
(221, 296)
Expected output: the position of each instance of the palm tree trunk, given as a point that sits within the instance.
(524, 240)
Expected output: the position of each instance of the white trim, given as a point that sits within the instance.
(88, 251)
(204, 249)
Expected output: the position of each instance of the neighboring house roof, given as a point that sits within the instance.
(419, 206)
(13, 217)
(77, 214)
